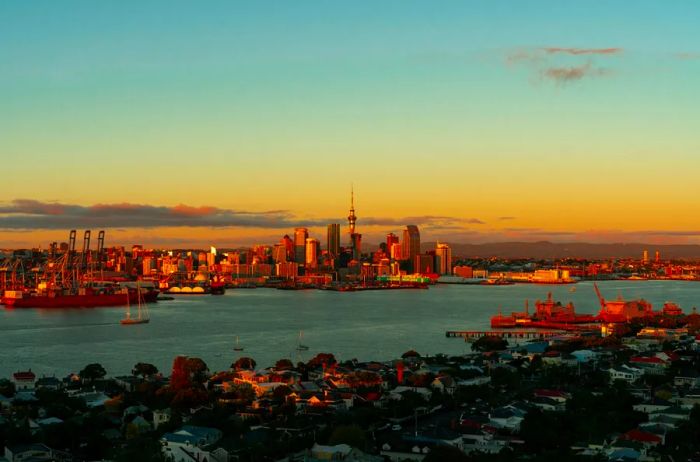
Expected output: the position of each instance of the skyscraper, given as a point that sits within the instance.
(391, 239)
(333, 240)
(410, 247)
(355, 238)
(300, 235)
(311, 253)
(645, 256)
(443, 259)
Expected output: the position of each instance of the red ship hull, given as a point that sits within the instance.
(79, 301)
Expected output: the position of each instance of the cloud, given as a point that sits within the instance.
(21, 214)
(687, 56)
(583, 51)
(573, 73)
(506, 218)
(562, 65)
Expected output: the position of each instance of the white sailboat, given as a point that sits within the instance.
(301, 346)
(142, 311)
(238, 346)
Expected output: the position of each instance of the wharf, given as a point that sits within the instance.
(524, 334)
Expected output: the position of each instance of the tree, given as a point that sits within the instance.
(321, 359)
(410, 354)
(92, 372)
(7, 388)
(489, 343)
(144, 370)
(197, 369)
(351, 435)
(244, 363)
(442, 453)
(284, 364)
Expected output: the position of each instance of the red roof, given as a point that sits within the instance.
(640, 436)
(551, 393)
(646, 360)
(28, 375)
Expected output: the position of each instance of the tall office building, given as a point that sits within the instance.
(391, 239)
(279, 253)
(300, 236)
(333, 240)
(410, 247)
(311, 252)
(356, 240)
(645, 256)
(657, 256)
(395, 251)
(443, 259)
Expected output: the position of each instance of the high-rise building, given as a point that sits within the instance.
(657, 256)
(443, 259)
(391, 239)
(333, 240)
(300, 236)
(288, 244)
(423, 263)
(279, 253)
(410, 247)
(645, 256)
(356, 241)
(311, 252)
(395, 251)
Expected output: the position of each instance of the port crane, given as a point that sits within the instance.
(601, 299)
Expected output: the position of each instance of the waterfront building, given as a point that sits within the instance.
(410, 247)
(443, 259)
(311, 252)
(395, 251)
(279, 253)
(391, 239)
(288, 244)
(356, 244)
(287, 270)
(333, 240)
(645, 256)
(300, 236)
(423, 263)
(464, 272)
(657, 257)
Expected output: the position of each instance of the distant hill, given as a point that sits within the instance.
(547, 250)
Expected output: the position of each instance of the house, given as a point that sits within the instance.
(161, 417)
(34, 452)
(687, 378)
(444, 384)
(49, 383)
(645, 438)
(585, 356)
(507, 417)
(338, 453)
(191, 443)
(24, 380)
(651, 365)
(626, 373)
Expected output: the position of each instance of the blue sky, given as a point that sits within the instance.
(263, 105)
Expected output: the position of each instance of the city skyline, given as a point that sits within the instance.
(172, 124)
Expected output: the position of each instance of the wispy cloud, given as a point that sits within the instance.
(562, 65)
(687, 56)
(506, 218)
(569, 74)
(582, 51)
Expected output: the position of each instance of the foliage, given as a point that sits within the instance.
(443, 453)
(351, 435)
(410, 354)
(7, 388)
(321, 359)
(144, 370)
(244, 363)
(284, 364)
(92, 372)
(489, 343)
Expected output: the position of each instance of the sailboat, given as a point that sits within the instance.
(142, 311)
(301, 346)
(238, 346)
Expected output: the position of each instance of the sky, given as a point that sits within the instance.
(231, 122)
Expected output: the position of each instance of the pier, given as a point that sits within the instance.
(524, 334)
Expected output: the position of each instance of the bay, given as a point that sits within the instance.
(365, 325)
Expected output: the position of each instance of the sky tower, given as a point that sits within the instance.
(352, 218)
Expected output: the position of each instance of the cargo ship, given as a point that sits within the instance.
(548, 313)
(621, 310)
(91, 296)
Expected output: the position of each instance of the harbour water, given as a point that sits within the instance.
(363, 325)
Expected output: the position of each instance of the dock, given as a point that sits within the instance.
(524, 334)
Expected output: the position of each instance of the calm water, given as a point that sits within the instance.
(364, 325)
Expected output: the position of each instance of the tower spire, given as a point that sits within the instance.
(352, 218)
